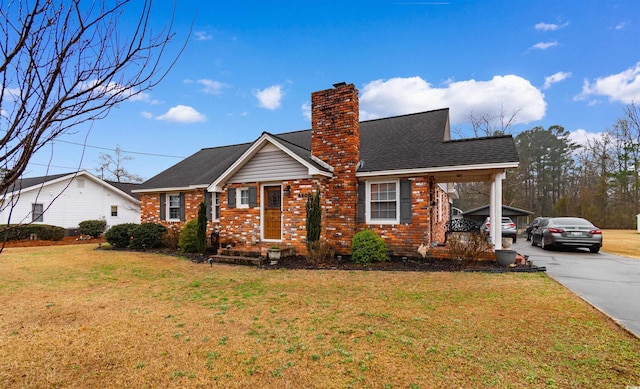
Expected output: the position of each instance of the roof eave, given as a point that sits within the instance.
(439, 169)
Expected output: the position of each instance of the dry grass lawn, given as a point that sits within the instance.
(75, 317)
(622, 242)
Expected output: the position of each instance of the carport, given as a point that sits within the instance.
(479, 214)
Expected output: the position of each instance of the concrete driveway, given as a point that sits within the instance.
(610, 283)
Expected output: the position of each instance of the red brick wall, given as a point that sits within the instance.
(425, 226)
(335, 140)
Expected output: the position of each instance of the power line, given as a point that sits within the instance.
(122, 151)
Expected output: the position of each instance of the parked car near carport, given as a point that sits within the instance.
(509, 229)
(567, 232)
(532, 227)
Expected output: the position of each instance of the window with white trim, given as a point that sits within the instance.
(37, 213)
(173, 206)
(383, 205)
(114, 210)
(243, 197)
(216, 206)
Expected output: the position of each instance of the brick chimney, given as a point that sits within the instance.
(335, 139)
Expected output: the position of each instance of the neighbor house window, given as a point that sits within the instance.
(216, 206)
(114, 210)
(174, 206)
(383, 204)
(243, 195)
(37, 211)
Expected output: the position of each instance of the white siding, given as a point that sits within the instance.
(270, 164)
(79, 201)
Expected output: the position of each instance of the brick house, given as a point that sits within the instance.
(393, 176)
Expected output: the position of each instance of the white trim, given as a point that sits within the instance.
(368, 218)
(168, 207)
(252, 151)
(443, 169)
(215, 196)
(239, 191)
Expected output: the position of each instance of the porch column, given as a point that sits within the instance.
(495, 210)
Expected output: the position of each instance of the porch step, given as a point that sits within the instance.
(239, 260)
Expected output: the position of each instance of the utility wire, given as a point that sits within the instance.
(122, 151)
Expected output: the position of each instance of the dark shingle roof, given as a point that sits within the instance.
(414, 141)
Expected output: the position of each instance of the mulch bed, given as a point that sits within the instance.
(402, 264)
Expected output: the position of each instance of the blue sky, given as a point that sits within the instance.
(251, 66)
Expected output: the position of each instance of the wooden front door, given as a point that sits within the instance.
(272, 212)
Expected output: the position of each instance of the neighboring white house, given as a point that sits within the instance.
(65, 200)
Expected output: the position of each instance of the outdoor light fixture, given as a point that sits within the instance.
(287, 190)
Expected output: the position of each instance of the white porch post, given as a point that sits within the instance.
(495, 210)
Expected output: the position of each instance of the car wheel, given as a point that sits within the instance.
(594, 250)
(533, 241)
(542, 245)
(528, 237)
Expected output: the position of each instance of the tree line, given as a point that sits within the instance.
(598, 180)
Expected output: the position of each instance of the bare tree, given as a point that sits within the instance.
(113, 165)
(67, 63)
(493, 124)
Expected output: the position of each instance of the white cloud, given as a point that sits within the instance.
(182, 114)
(550, 26)
(212, 87)
(306, 110)
(583, 137)
(554, 78)
(544, 45)
(620, 26)
(270, 97)
(623, 87)
(399, 96)
(202, 35)
(146, 115)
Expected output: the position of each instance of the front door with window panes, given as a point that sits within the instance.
(272, 212)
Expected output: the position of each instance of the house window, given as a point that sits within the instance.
(216, 206)
(114, 210)
(243, 195)
(173, 206)
(383, 204)
(37, 212)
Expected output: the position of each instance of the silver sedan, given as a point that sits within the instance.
(567, 232)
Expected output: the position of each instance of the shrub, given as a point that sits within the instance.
(120, 235)
(467, 246)
(202, 228)
(367, 247)
(94, 228)
(188, 239)
(171, 236)
(24, 231)
(147, 235)
(314, 217)
(320, 251)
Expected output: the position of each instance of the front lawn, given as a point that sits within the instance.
(72, 316)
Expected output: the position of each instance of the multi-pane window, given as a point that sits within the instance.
(37, 211)
(384, 201)
(244, 198)
(216, 206)
(114, 210)
(174, 206)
